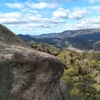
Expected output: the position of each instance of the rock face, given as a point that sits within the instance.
(26, 74)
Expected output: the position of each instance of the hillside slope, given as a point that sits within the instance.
(81, 72)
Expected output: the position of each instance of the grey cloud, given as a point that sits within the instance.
(28, 21)
(77, 13)
(14, 22)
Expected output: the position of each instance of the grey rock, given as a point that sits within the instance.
(26, 74)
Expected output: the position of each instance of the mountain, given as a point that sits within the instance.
(27, 74)
(45, 35)
(26, 38)
(84, 39)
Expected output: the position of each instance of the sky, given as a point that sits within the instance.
(35, 17)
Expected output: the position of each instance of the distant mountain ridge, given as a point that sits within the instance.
(26, 38)
(84, 39)
(69, 33)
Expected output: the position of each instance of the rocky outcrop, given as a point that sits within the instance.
(26, 74)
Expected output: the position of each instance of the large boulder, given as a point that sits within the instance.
(26, 74)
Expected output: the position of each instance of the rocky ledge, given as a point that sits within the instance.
(26, 74)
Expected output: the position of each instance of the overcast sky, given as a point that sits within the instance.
(49, 16)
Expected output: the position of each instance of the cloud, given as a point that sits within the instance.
(52, 21)
(28, 20)
(30, 26)
(93, 20)
(84, 24)
(94, 1)
(61, 13)
(41, 5)
(14, 5)
(58, 0)
(32, 15)
(11, 18)
(78, 13)
(41, 23)
(95, 8)
(33, 5)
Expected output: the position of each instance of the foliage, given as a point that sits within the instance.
(44, 47)
(81, 74)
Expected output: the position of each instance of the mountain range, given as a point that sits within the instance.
(84, 39)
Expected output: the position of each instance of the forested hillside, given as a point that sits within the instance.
(81, 74)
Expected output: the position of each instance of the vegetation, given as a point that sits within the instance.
(81, 74)
(44, 47)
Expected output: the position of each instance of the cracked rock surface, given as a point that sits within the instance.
(26, 74)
